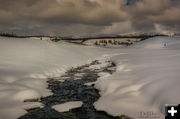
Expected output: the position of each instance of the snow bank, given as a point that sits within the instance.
(67, 106)
(159, 43)
(146, 79)
(147, 75)
(27, 63)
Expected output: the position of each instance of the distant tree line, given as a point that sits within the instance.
(113, 42)
(11, 34)
(7, 34)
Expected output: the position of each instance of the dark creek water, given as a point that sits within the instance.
(73, 90)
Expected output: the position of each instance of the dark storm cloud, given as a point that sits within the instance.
(61, 11)
(45, 16)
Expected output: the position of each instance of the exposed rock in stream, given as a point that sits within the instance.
(71, 87)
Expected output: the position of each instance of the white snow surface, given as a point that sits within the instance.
(146, 79)
(147, 75)
(27, 63)
(67, 106)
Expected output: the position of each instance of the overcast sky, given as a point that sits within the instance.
(88, 17)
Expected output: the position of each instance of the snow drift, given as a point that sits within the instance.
(146, 79)
(27, 63)
(147, 75)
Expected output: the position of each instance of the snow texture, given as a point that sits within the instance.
(27, 63)
(146, 79)
(67, 106)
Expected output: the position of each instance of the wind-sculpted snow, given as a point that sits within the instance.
(27, 63)
(147, 78)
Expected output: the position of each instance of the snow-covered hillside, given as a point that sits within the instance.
(147, 78)
(26, 64)
(160, 43)
(147, 75)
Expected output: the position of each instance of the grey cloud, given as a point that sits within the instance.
(88, 16)
(63, 11)
(145, 13)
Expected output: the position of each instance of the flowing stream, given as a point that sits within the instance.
(71, 87)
